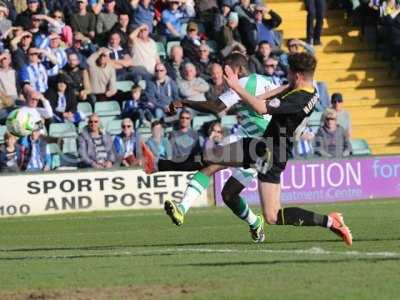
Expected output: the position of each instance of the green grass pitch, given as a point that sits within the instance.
(142, 255)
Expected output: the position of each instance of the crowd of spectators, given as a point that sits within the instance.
(56, 54)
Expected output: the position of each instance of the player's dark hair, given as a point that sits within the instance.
(303, 63)
(156, 123)
(262, 43)
(237, 61)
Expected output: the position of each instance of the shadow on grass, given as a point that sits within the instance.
(294, 261)
(211, 243)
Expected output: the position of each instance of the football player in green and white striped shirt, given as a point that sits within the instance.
(252, 125)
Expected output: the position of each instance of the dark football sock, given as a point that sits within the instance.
(169, 165)
(300, 217)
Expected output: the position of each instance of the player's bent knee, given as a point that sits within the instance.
(271, 217)
(227, 195)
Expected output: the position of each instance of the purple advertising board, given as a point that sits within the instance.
(322, 181)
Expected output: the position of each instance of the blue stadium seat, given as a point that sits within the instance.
(200, 120)
(114, 127)
(54, 150)
(62, 130)
(172, 44)
(315, 119)
(360, 147)
(3, 130)
(70, 146)
(82, 124)
(85, 108)
(228, 121)
(107, 108)
(124, 86)
(161, 50)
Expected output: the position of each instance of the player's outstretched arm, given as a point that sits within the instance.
(208, 106)
(271, 94)
(254, 102)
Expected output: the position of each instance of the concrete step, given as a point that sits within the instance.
(370, 93)
(370, 103)
(386, 149)
(353, 75)
(388, 121)
(367, 131)
(384, 140)
(374, 112)
(377, 83)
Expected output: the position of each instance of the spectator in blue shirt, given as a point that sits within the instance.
(185, 140)
(127, 145)
(136, 108)
(142, 13)
(33, 76)
(265, 27)
(173, 18)
(161, 91)
(158, 144)
(35, 155)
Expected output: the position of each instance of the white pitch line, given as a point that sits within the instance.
(314, 251)
(311, 251)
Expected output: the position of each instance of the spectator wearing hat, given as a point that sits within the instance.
(63, 101)
(8, 76)
(19, 48)
(172, 18)
(119, 56)
(84, 21)
(343, 117)
(175, 63)
(315, 14)
(142, 13)
(33, 76)
(96, 146)
(230, 32)
(79, 80)
(265, 27)
(103, 78)
(331, 139)
(144, 53)
(106, 19)
(127, 145)
(192, 87)
(191, 42)
(256, 61)
(34, 154)
(24, 18)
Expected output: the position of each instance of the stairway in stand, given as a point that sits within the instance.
(349, 66)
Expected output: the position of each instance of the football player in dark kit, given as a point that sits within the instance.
(269, 155)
